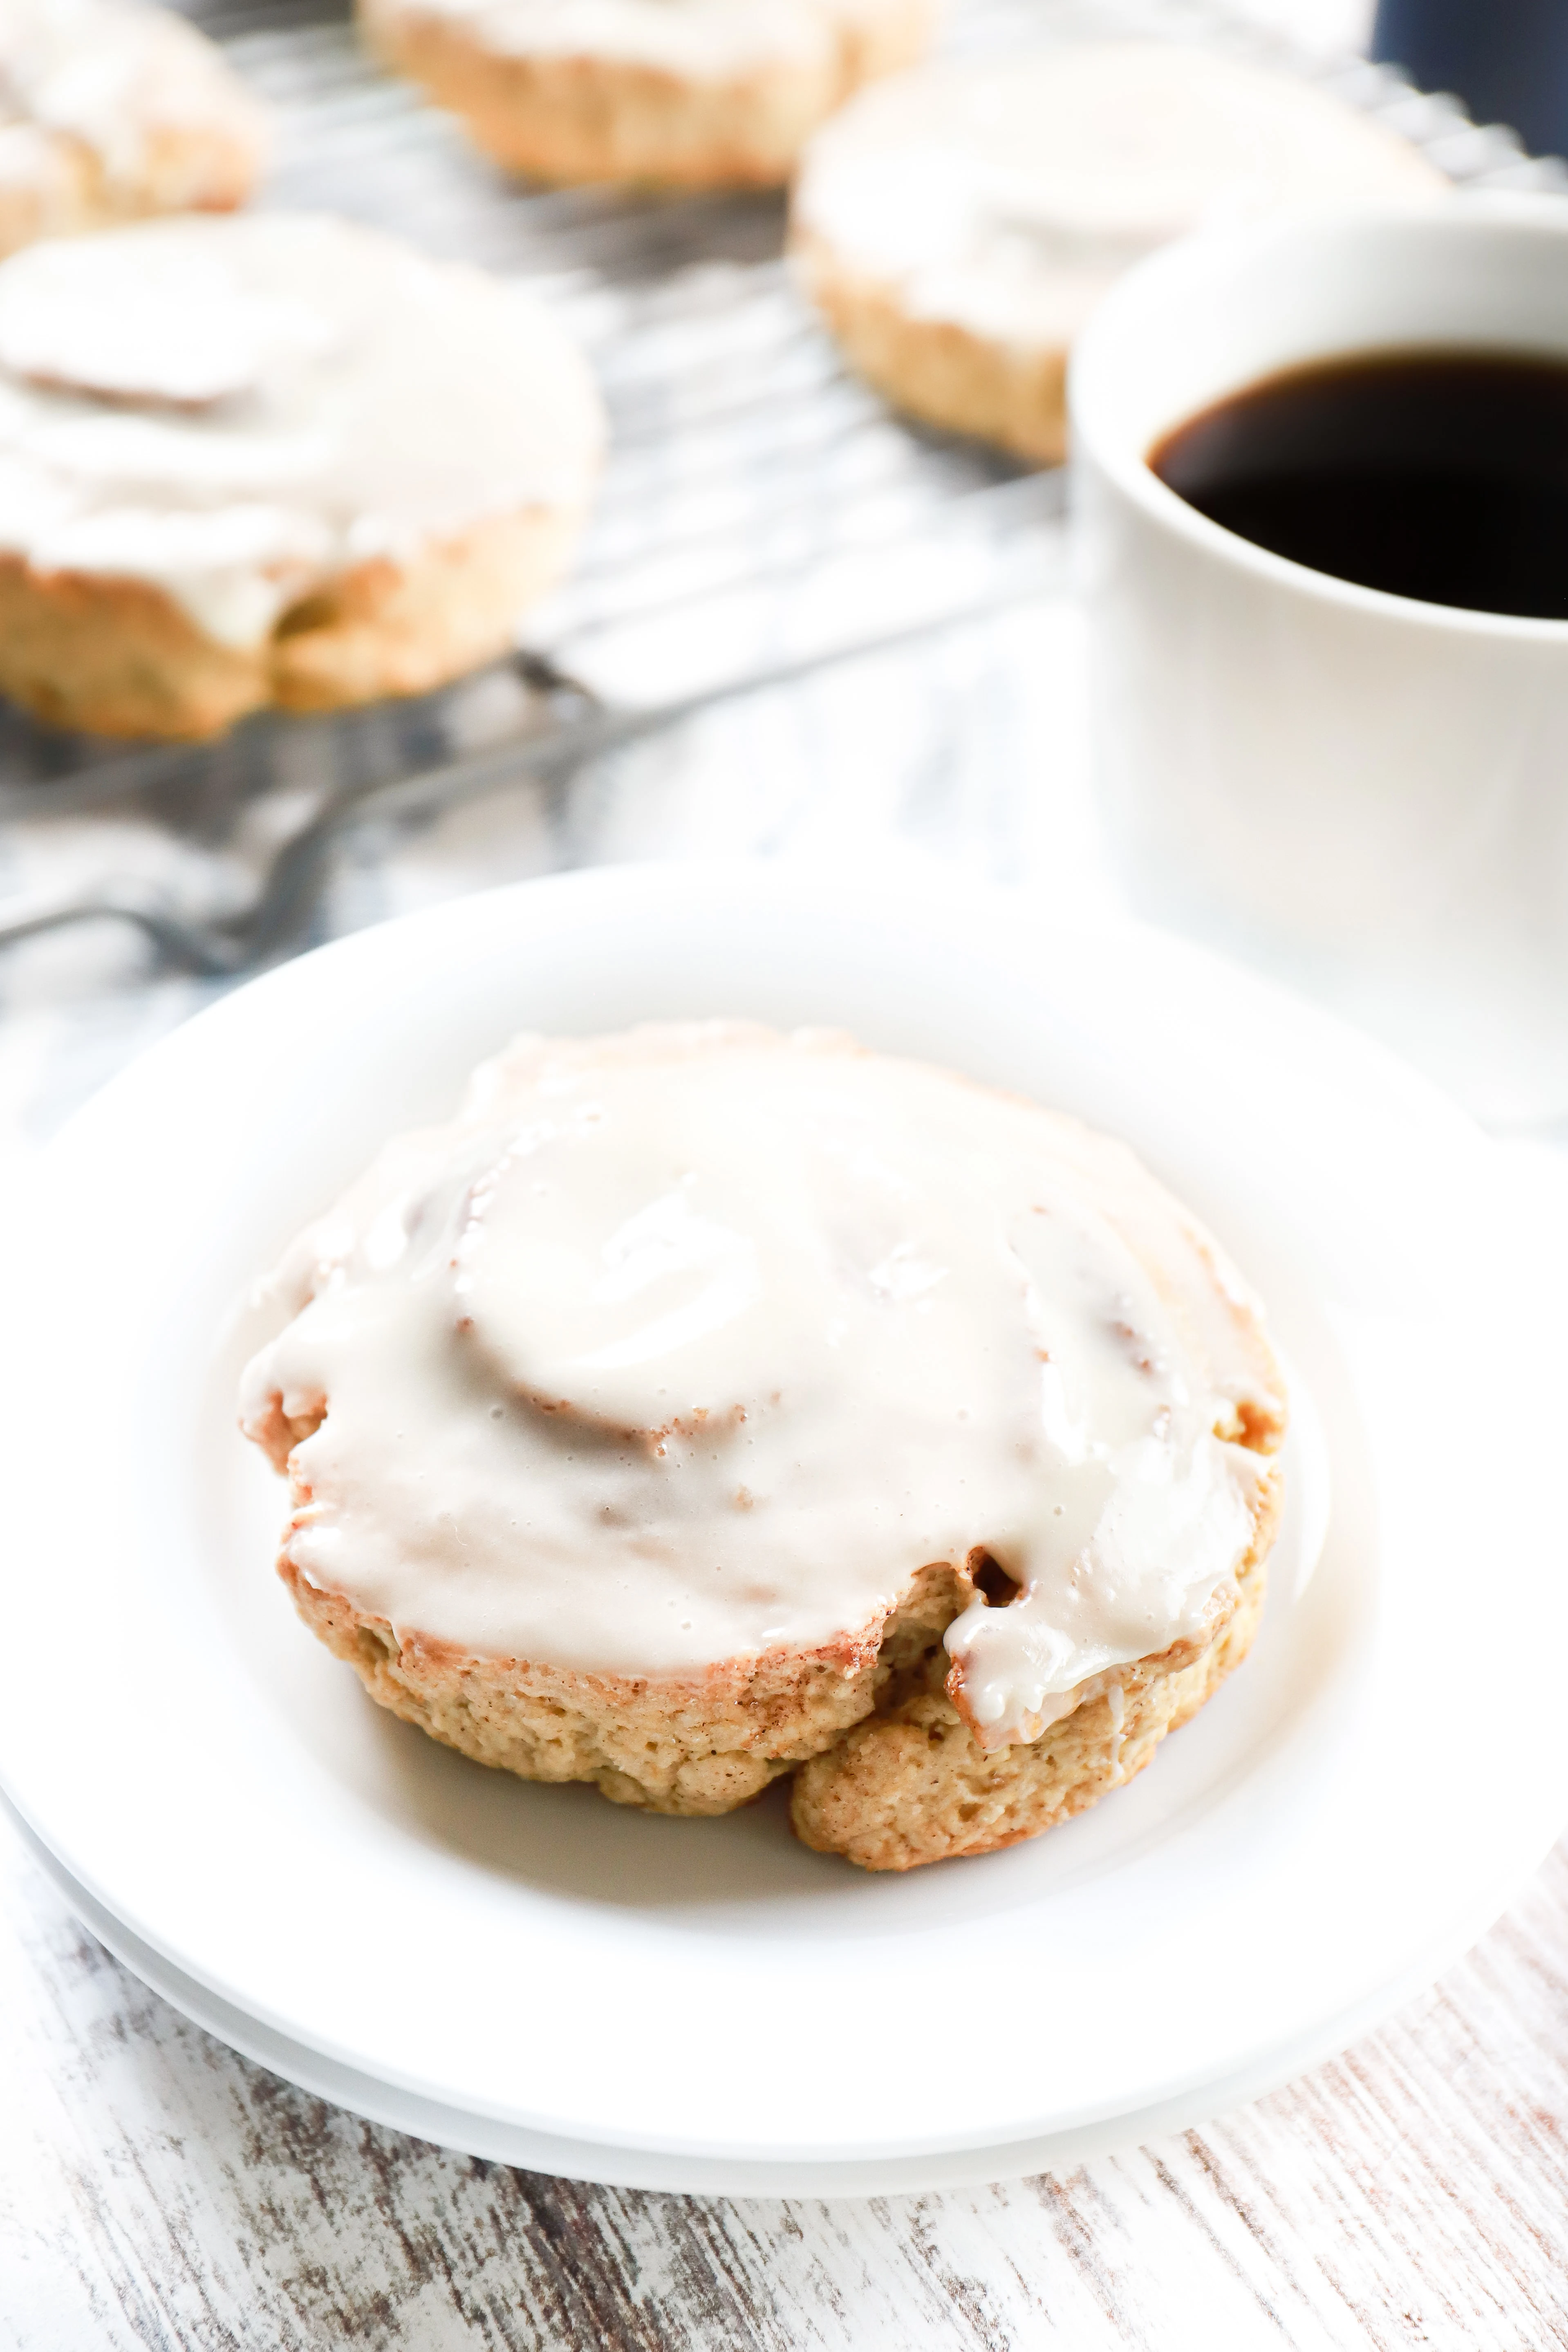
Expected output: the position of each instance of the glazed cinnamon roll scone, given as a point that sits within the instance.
(957, 224)
(272, 459)
(672, 93)
(110, 111)
(705, 1405)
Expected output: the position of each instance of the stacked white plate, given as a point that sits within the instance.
(535, 1976)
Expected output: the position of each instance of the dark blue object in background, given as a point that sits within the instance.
(1508, 60)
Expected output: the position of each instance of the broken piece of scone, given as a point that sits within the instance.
(705, 1405)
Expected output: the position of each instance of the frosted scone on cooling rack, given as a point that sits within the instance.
(674, 93)
(272, 459)
(957, 224)
(110, 111)
(705, 1405)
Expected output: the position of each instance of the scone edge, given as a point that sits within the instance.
(911, 1783)
(1012, 395)
(114, 656)
(585, 119)
(888, 1773)
(696, 1744)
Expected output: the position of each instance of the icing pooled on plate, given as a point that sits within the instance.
(677, 1346)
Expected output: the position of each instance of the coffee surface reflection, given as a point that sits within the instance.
(1436, 474)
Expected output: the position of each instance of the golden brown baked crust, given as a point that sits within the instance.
(911, 1783)
(213, 169)
(887, 1772)
(598, 117)
(117, 657)
(702, 1746)
(1014, 396)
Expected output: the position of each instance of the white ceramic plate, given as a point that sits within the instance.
(1352, 1808)
(636, 2167)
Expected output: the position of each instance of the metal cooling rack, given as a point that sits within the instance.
(765, 526)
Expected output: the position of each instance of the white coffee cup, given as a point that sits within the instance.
(1368, 793)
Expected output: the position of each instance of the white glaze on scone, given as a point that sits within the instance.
(697, 40)
(237, 410)
(677, 1348)
(1008, 194)
(119, 83)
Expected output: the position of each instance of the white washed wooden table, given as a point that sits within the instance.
(156, 2190)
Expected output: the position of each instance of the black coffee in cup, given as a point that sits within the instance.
(1441, 475)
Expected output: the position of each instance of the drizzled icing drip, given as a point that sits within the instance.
(237, 410)
(677, 1347)
(1008, 196)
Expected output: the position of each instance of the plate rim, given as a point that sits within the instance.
(678, 2173)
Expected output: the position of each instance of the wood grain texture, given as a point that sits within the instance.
(156, 2190)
